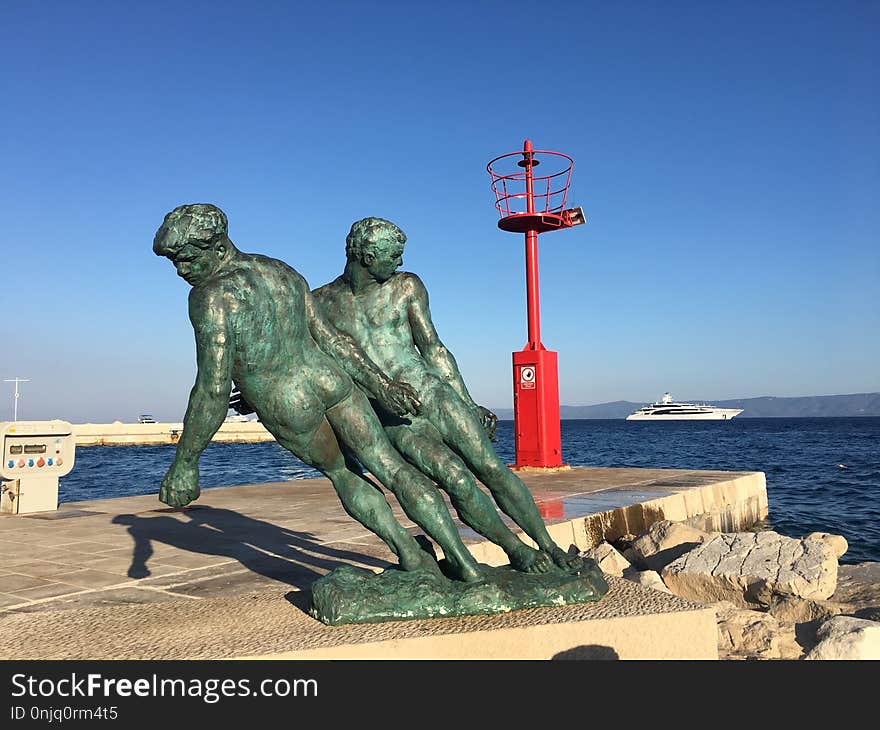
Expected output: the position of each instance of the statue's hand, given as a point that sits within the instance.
(399, 398)
(489, 421)
(180, 485)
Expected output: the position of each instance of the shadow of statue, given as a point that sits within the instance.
(587, 652)
(289, 556)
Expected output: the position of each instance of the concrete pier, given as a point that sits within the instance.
(152, 434)
(228, 577)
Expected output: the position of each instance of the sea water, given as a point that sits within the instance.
(823, 474)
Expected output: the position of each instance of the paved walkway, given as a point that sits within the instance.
(135, 549)
(266, 541)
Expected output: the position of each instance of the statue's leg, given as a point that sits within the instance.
(358, 427)
(423, 446)
(464, 433)
(360, 498)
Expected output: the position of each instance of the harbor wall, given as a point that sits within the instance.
(152, 434)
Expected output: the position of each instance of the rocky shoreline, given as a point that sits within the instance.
(775, 597)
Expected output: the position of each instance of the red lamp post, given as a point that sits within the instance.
(531, 203)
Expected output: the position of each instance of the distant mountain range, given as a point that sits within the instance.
(768, 406)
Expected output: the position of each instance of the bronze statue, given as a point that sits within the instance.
(256, 324)
(386, 313)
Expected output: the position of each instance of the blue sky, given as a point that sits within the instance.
(726, 156)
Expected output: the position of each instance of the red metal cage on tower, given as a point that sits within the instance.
(533, 203)
(528, 201)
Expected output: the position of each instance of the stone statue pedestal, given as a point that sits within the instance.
(629, 622)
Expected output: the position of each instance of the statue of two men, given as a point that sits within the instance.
(340, 375)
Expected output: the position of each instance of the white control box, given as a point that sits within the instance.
(35, 455)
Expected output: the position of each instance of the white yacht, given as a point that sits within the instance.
(237, 418)
(669, 410)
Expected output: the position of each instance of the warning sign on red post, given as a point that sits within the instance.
(527, 377)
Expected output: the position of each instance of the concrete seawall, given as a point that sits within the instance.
(151, 434)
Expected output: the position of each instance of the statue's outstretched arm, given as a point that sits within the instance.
(435, 353)
(428, 341)
(396, 396)
(208, 400)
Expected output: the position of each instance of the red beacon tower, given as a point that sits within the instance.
(533, 203)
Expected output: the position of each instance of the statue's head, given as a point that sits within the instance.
(377, 244)
(195, 238)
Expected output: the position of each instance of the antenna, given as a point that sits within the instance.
(15, 402)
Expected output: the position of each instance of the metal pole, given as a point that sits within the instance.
(531, 240)
(15, 401)
(532, 290)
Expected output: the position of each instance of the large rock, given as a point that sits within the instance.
(608, 559)
(845, 637)
(803, 610)
(746, 634)
(858, 590)
(623, 545)
(665, 541)
(749, 569)
(647, 578)
(837, 543)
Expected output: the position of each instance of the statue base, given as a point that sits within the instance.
(351, 595)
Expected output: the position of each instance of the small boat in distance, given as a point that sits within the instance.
(669, 410)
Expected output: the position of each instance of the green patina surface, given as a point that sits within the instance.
(350, 377)
(352, 595)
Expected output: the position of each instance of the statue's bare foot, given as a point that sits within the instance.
(463, 572)
(528, 560)
(419, 559)
(569, 563)
(425, 558)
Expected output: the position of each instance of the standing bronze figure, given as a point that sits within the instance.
(386, 312)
